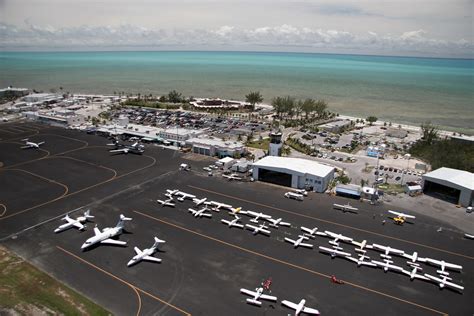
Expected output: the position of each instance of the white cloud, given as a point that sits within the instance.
(283, 37)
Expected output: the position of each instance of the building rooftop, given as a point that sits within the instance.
(459, 177)
(215, 142)
(302, 166)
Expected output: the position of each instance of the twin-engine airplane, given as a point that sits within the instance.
(146, 254)
(105, 236)
(78, 222)
(29, 144)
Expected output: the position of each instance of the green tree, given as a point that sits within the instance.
(429, 132)
(278, 105)
(175, 97)
(320, 107)
(298, 108)
(371, 119)
(308, 106)
(253, 98)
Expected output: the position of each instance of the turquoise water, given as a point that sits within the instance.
(399, 89)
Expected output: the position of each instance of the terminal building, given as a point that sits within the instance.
(216, 147)
(293, 172)
(453, 185)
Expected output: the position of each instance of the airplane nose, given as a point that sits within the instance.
(84, 246)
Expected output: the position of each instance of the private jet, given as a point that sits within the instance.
(258, 229)
(300, 307)
(387, 265)
(78, 222)
(105, 236)
(199, 201)
(200, 213)
(337, 237)
(168, 202)
(312, 232)
(146, 254)
(277, 222)
(361, 261)
(129, 149)
(299, 241)
(443, 265)
(444, 281)
(257, 296)
(400, 217)
(346, 208)
(256, 216)
(233, 223)
(29, 144)
(387, 251)
(334, 252)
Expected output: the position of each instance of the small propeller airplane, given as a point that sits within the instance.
(146, 254)
(299, 241)
(105, 236)
(168, 202)
(312, 232)
(200, 213)
(413, 274)
(361, 261)
(256, 216)
(237, 210)
(172, 192)
(258, 229)
(444, 281)
(414, 257)
(78, 222)
(277, 222)
(257, 296)
(300, 307)
(129, 149)
(346, 208)
(337, 237)
(334, 252)
(233, 223)
(443, 265)
(361, 246)
(29, 144)
(232, 177)
(387, 251)
(199, 201)
(387, 265)
(183, 196)
(400, 217)
(217, 206)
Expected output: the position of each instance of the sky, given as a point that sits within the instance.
(440, 28)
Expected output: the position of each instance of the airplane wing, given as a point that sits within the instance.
(138, 251)
(41, 143)
(77, 225)
(238, 225)
(248, 292)
(308, 310)
(113, 242)
(453, 285)
(266, 231)
(123, 150)
(289, 304)
(306, 245)
(153, 259)
(268, 297)
(453, 266)
(290, 240)
(251, 226)
(96, 231)
(25, 147)
(225, 222)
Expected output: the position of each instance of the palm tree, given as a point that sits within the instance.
(253, 98)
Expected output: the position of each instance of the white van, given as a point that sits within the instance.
(294, 196)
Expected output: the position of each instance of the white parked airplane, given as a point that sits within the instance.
(233, 223)
(362, 245)
(414, 257)
(345, 208)
(277, 222)
(105, 236)
(128, 149)
(312, 232)
(334, 252)
(146, 254)
(443, 265)
(300, 307)
(78, 222)
(168, 202)
(444, 281)
(29, 144)
(258, 229)
(237, 210)
(337, 237)
(387, 251)
(256, 216)
(232, 177)
(199, 201)
(200, 213)
(387, 265)
(183, 196)
(172, 192)
(257, 295)
(299, 241)
(361, 261)
(413, 274)
(217, 206)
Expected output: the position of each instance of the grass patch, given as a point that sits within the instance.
(390, 188)
(27, 290)
(263, 144)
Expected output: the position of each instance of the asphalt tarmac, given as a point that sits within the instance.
(205, 263)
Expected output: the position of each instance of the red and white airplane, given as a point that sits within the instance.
(300, 307)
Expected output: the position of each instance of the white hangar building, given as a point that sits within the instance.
(293, 172)
(449, 184)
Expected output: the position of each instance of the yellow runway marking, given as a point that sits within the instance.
(288, 263)
(333, 223)
(137, 289)
(81, 190)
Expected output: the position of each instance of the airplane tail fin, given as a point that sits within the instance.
(87, 214)
(157, 242)
(254, 302)
(122, 220)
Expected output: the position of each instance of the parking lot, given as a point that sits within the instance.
(204, 262)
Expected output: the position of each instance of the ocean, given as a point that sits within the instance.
(408, 90)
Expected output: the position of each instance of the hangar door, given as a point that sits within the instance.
(274, 177)
(441, 191)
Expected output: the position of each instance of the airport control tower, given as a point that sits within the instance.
(275, 144)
